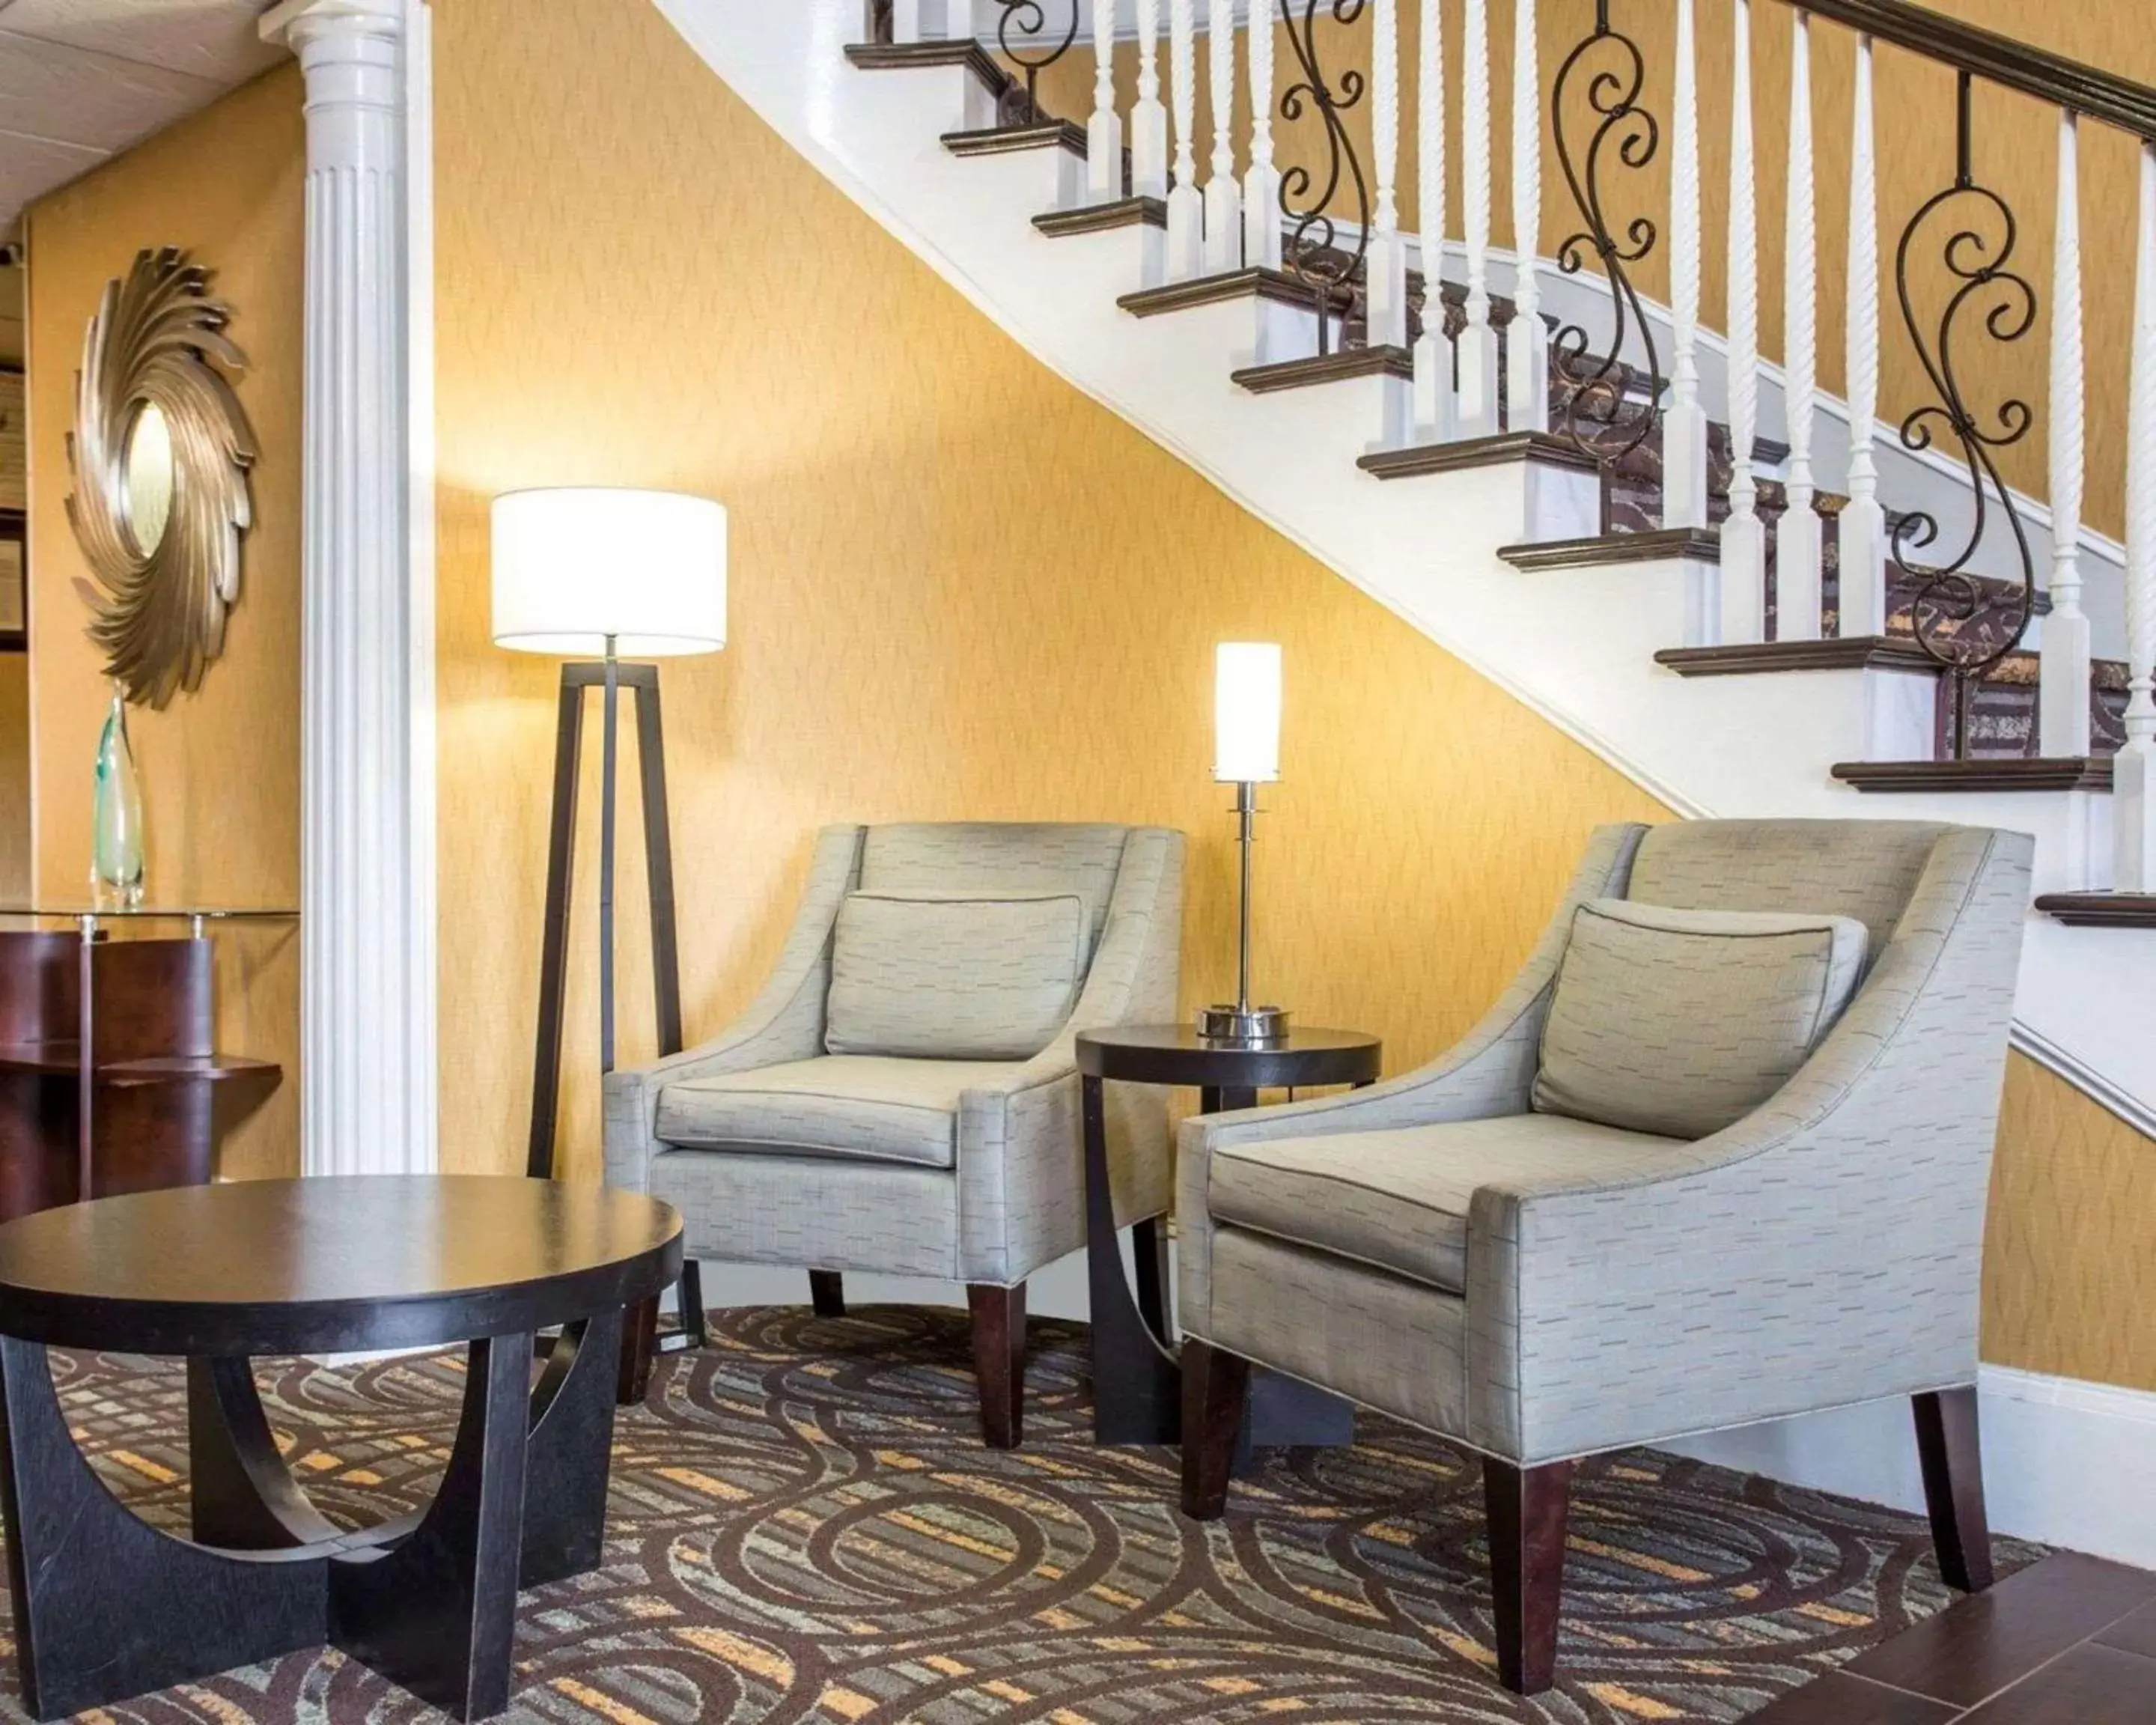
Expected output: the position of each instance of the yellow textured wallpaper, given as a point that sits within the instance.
(960, 589)
(220, 767)
(2070, 1277)
(2015, 141)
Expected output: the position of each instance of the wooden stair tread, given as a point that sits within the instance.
(915, 56)
(1006, 140)
(1468, 453)
(1213, 290)
(1601, 550)
(2101, 910)
(2066, 772)
(1379, 361)
(1102, 218)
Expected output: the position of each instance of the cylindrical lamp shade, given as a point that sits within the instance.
(1247, 712)
(574, 565)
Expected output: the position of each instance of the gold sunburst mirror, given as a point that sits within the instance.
(161, 452)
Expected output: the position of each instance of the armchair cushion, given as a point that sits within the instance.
(1397, 1200)
(947, 976)
(1681, 1022)
(862, 1107)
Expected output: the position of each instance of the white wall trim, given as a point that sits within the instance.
(368, 888)
(2044, 1440)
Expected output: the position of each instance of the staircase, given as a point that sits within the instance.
(1545, 477)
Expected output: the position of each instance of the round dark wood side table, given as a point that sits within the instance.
(108, 1607)
(1137, 1383)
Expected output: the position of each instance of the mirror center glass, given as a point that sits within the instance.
(149, 477)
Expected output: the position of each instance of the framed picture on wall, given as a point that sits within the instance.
(14, 584)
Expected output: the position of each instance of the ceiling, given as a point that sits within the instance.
(83, 80)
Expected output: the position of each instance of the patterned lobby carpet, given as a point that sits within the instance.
(804, 1528)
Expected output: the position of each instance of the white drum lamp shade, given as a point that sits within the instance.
(574, 565)
(1247, 712)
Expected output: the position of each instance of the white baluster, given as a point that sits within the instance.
(1684, 424)
(1224, 194)
(2062, 720)
(1526, 340)
(905, 20)
(1186, 208)
(1743, 539)
(1434, 402)
(1387, 264)
(1148, 116)
(1478, 341)
(1862, 606)
(1104, 132)
(2134, 773)
(1261, 219)
(1797, 550)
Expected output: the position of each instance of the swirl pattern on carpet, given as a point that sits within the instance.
(804, 1529)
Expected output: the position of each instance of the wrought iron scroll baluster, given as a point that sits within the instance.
(1029, 19)
(1313, 253)
(1594, 386)
(1949, 601)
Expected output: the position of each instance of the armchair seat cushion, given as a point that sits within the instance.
(1399, 1200)
(867, 1107)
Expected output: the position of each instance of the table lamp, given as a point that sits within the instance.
(1246, 725)
(593, 573)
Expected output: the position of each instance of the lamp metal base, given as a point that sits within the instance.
(1247, 1026)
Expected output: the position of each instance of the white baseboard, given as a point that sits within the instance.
(2066, 1463)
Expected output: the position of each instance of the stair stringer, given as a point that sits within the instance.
(1575, 646)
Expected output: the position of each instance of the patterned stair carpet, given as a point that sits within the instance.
(804, 1528)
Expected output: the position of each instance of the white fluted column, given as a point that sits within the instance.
(1861, 605)
(1433, 401)
(1186, 205)
(1797, 537)
(1478, 341)
(1684, 424)
(1104, 131)
(1742, 605)
(2134, 773)
(1224, 192)
(367, 893)
(1149, 114)
(1387, 265)
(2062, 719)
(1261, 214)
(1527, 339)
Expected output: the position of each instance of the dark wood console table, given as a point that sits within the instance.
(110, 1078)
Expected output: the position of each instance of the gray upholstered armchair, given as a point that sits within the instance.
(901, 1095)
(1670, 1183)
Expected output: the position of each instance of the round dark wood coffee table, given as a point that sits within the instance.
(1137, 1383)
(108, 1607)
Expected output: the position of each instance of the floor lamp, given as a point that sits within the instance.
(596, 575)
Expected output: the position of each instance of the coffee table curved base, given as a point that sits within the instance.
(1138, 1380)
(107, 1607)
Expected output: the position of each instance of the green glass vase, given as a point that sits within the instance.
(116, 875)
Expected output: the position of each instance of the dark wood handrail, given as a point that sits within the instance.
(1998, 60)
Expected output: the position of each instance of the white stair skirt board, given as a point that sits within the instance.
(1426, 548)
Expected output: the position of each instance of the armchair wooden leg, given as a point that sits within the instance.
(1949, 1447)
(999, 1360)
(1215, 1391)
(827, 1292)
(1527, 1507)
(639, 1341)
